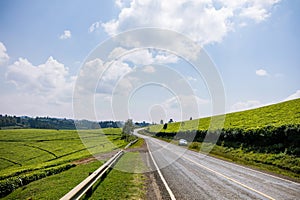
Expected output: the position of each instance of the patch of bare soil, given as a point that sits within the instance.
(102, 156)
(154, 185)
(142, 149)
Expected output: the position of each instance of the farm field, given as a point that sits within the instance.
(117, 185)
(30, 154)
(60, 184)
(122, 182)
(285, 113)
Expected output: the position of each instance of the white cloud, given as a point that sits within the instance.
(256, 13)
(149, 69)
(3, 55)
(296, 95)
(94, 26)
(261, 72)
(166, 58)
(204, 21)
(122, 3)
(66, 35)
(139, 57)
(116, 53)
(190, 78)
(239, 106)
(143, 56)
(182, 107)
(20, 104)
(50, 79)
(106, 74)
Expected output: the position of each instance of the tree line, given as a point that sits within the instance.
(7, 121)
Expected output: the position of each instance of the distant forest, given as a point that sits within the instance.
(57, 123)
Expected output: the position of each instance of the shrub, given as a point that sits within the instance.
(10, 184)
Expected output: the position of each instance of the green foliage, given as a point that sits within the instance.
(165, 126)
(138, 144)
(10, 184)
(34, 153)
(117, 184)
(280, 163)
(274, 115)
(267, 137)
(128, 130)
(125, 181)
(271, 129)
(55, 186)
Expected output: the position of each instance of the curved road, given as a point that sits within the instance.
(191, 175)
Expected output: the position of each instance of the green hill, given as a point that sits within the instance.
(273, 129)
(267, 138)
(276, 115)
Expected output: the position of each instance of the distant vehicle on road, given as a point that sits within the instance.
(182, 142)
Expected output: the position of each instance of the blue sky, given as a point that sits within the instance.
(254, 45)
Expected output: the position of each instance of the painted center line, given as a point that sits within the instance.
(215, 172)
(160, 174)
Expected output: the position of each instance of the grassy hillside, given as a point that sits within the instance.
(285, 113)
(266, 137)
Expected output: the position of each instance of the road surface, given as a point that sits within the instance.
(191, 175)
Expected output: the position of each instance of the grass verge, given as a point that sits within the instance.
(280, 164)
(125, 181)
(138, 144)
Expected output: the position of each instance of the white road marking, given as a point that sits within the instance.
(220, 174)
(231, 179)
(161, 176)
(244, 167)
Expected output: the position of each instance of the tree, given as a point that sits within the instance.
(127, 129)
(161, 121)
(165, 126)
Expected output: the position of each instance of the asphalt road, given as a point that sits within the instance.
(191, 175)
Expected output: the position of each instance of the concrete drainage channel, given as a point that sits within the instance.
(87, 184)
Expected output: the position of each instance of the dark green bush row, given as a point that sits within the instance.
(269, 139)
(10, 184)
(29, 170)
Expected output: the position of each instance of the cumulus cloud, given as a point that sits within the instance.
(239, 106)
(3, 55)
(66, 35)
(182, 107)
(190, 78)
(205, 21)
(100, 77)
(296, 95)
(50, 79)
(20, 104)
(94, 26)
(149, 69)
(142, 56)
(261, 72)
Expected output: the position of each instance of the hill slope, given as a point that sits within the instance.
(276, 115)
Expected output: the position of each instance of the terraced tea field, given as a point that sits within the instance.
(31, 152)
(285, 113)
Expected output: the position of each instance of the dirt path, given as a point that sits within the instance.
(102, 156)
